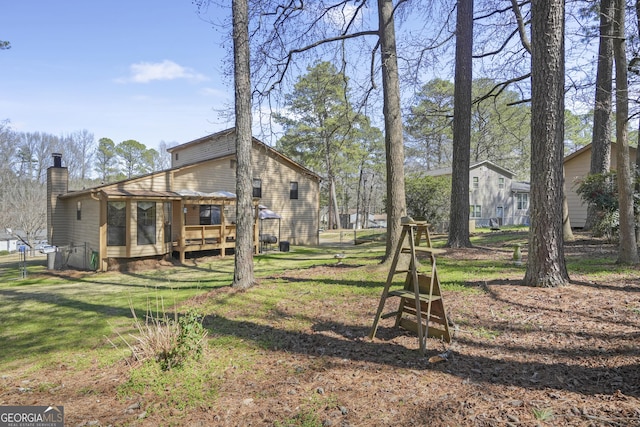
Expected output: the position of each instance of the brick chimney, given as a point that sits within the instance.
(57, 184)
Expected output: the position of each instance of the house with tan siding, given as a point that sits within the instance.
(186, 209)
(576, 167)
(494, 194)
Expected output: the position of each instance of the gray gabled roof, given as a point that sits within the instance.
(488, 163)
(520, 187)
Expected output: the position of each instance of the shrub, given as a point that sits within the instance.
(601, 191)
(169, 340)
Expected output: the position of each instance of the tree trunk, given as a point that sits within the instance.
(601, 139)
(627, 250)
(243, 277)
(545, 263)
(396, 202)
(636, 175)
(637, 171)
(459, 212)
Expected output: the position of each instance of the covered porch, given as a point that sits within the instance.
(207, 221)
(137, 224)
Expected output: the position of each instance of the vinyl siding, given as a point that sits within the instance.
(82, 236)
(300, 218)
(85, 230)
(155, 182)
(490, 196)
(574, 170)
(210, 176)
(217, 145)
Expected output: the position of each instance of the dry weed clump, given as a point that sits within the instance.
(168, 340)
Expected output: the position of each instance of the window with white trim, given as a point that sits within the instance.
(522, 201)
(475, 211)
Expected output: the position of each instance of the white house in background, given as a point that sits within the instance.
(494, 194)
(349, 220)
(8, 242)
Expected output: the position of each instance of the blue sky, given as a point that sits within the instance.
(122, 69)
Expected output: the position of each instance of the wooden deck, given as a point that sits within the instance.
(196, 238)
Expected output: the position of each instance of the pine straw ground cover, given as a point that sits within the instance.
(294, 351)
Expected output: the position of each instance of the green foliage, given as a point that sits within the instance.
(429, 126)
(195, 385)
(428, 197)
(105, 159)
(318, 124)
(497, 133)
(302, 419)
(544, 414)
(131, 153)
(601, 190)
(578, 129)
(4, 252)
(323, 132)
(191, 336)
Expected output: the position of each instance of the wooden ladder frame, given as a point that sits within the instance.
(423, 290)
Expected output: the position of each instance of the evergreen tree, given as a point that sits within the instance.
(321, 129)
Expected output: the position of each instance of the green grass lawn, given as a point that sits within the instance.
(44, 315)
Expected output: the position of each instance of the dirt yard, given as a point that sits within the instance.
(520, 356)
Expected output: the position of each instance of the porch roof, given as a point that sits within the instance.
(139, 194)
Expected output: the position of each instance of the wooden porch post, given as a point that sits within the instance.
(181, 239)
(102, 263)
(223, 231)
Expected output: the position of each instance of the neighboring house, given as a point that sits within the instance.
(380, 221)
(493, 193)
(188, 208)
(348, 221)
(8, 242)
(576, 167)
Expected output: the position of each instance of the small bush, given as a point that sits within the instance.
(601, 191)
(169, 340)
